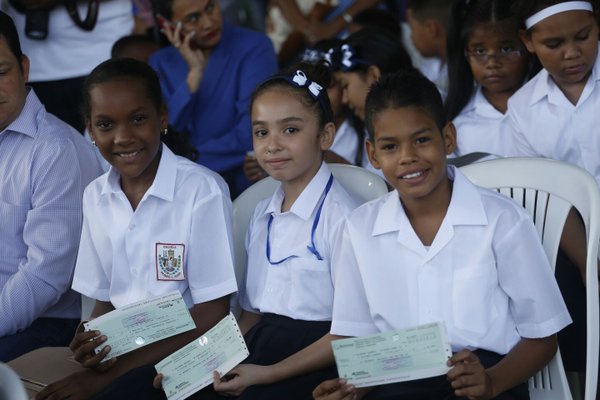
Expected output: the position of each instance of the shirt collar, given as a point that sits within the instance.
(33, 111)
(466, 207)
(308, 200)
(164, 182)
(482, 106)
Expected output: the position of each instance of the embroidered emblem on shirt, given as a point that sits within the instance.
(169, 261)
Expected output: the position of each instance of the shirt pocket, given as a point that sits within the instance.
(473, 307)
(311, 290)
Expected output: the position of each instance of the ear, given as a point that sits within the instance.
(164, 117)
(25, 66)
(373, 74)
(449, 135)
(526, 39)
(327, 136)
(372, 154)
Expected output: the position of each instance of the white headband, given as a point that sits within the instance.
(555, 9)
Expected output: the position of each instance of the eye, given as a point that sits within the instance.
(507, 49)
(389, 146)
(422, 139)
(210, 6)
(291, 130)
(260, 133)
(552, 44)
(139, 119)
(104, 125)
(478, 51)
(582, 37)
(4, 71)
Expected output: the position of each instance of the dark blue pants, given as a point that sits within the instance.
(43, 332)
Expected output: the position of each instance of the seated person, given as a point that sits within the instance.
(45, 167)
(446, 250)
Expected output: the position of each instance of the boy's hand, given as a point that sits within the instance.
(334, 389)
(83, 345)
(240, 378)
(78, 386)
(468, 377)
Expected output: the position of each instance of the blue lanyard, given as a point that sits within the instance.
(312, 248)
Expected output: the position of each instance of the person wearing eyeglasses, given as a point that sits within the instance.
(486, 65)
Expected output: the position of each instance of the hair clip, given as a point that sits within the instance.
(313, 56)
(300, 79)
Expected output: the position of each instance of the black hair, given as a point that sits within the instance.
(9, 32)
(526, 8)
(374, 46)
(403, 89)
(464, 16)
(425, 9)
(319, 73)
(121, 47)
(382, 19)
(134, 70)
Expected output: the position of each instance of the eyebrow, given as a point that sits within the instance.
(415, 133)
(281, 121)
(579, 32)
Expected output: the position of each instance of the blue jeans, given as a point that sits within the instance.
(43, 332)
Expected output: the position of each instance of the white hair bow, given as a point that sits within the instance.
(346, 55)
(300, 79)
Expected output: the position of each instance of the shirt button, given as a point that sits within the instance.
(131, 227)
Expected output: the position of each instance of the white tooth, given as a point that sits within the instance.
(413, 175)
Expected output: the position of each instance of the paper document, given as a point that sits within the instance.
(191, 368)
(395, 356)
(139, 324)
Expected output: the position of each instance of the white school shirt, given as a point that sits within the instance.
(299, 288)
(345, 143)
(478, 127)
(485, 274)
(544, 123)
(186, 209)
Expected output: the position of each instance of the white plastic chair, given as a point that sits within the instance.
(11, 387)
(548, 189)
(361, 184)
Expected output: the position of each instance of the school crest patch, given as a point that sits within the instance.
(169, 261)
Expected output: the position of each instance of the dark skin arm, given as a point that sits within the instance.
(573, 242)
(338, 389)
(86, 383)
(469, 379)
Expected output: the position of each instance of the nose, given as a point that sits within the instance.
(493, 61)
(273, 145)
(206, 21)
(123, 136)
(572, 51)
(407, 154)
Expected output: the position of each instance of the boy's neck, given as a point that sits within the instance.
(427, 214)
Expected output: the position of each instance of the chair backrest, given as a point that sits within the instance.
(11, 387)
(361, 184)
(548, 189)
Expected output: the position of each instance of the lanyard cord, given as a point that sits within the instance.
(312, 248)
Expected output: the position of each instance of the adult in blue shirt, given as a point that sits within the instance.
(45, 166)
(208, 76)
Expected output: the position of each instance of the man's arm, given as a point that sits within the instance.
(51, 234)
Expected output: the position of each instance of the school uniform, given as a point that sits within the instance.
(178, 238)
(485, 274)
(478, 127)
(544, 123)
(294, 294)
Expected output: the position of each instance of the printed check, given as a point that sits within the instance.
(139, 324)
(191, 368)
(395, 356)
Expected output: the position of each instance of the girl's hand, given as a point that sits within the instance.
(252, 169)
(83, 345)
(239, 378)
(157, 382)
(193, 56)
(334, 389)
(468, 377)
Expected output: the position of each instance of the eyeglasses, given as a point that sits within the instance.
(502, 56)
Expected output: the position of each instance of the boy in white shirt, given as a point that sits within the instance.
(439, 248)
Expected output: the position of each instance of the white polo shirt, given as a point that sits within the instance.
(178, 238)
(544, 123)
(478, 127)
(485, 274)
(299, 288)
